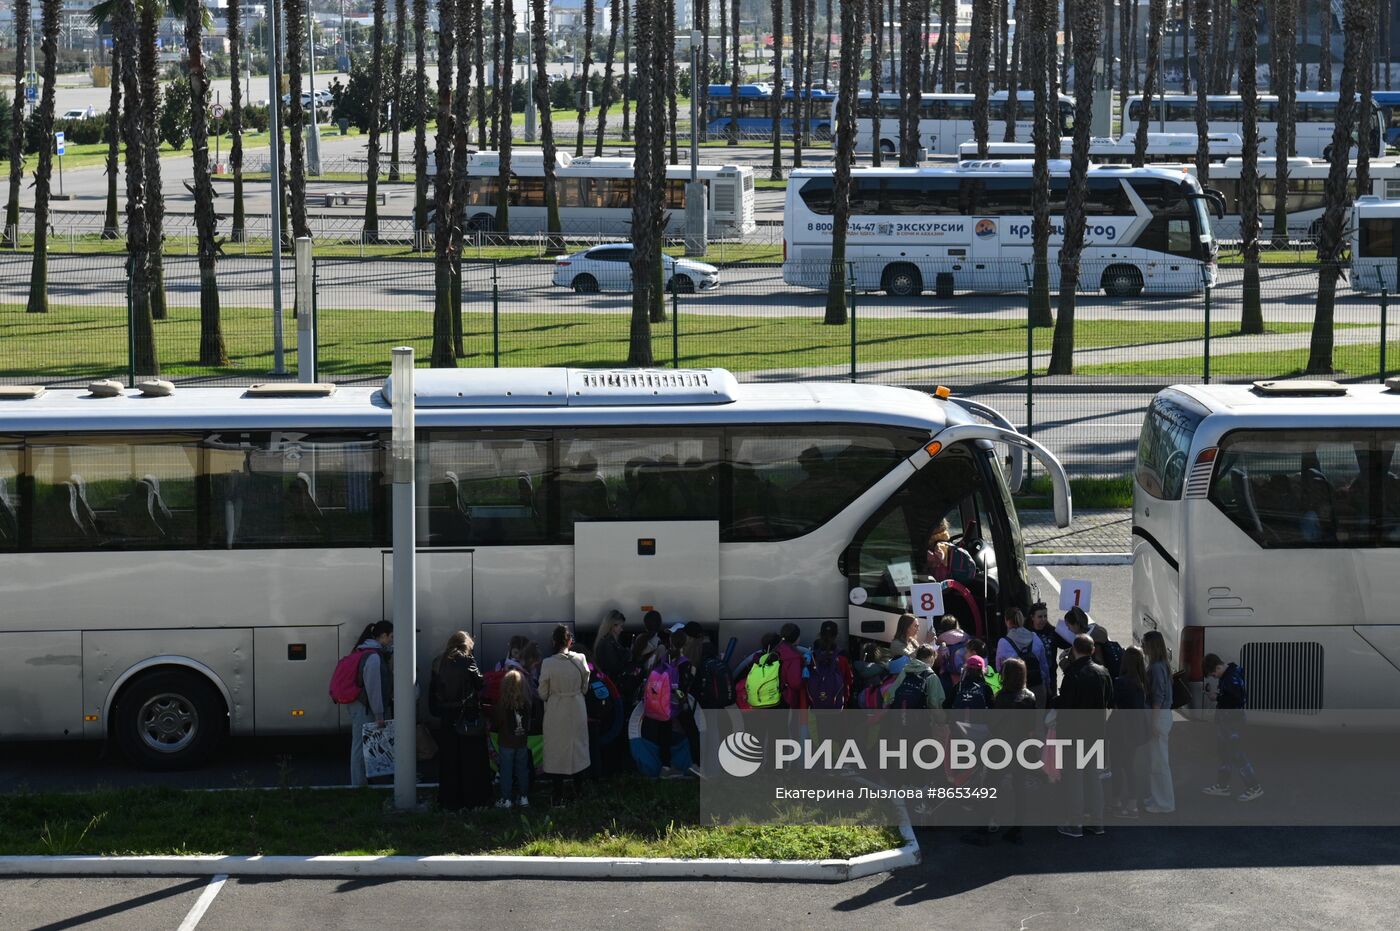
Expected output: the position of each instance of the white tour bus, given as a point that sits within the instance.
(1265, 527)
(945, 120)
(178, 568)
(1375, 244)
(968, 227)
(1315, 117)
(595, 195)
(1307, 181)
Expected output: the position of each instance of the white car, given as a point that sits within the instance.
(77, 114)
(609, 268)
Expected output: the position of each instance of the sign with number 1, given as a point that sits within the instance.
(1074, 593)
(928, 599)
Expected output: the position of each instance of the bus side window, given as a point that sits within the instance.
(481, 487)
(10, 457)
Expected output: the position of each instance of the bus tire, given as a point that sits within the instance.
(585, 284)
(1122, 281)
(902, 280)
(169, 718)
(887, 147)
(943, 285)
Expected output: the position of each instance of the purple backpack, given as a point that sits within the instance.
(826, 686)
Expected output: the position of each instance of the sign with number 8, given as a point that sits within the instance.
(928, 599)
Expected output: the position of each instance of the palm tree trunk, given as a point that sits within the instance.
(396, 116)
(1252, 313)
(461, 130)
(1084, 15)
(126, 39)
(235, 153)
(776, 104)
(9, 236)
(1331, 239)
(376, 109)
(734, 76)
(505, 13)
(1203, 32)
(798, 9)
(1109, 9)
(852, 33)
(909, 78)
(1324, 65)
(443, 352)
(877, 65)
(978, 70)
(1365, 120)
(48, 79)
(555, 244)
(588, 38)
(110, 230)
(1285, 19)
(478, 41)
(1041, 43)
(627, 67)
(1185, 46)
(723, 34)
(497, 40)
(650, 176)
(614, 22)
(670, 65)
(1126, 40)
(1013, 77)
(948, 17)
(295, 14)
(1156, 13)
(1303, 19)
(420, 127)
(155, 216)
(211, 337)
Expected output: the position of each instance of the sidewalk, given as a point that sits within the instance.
(1091, 531)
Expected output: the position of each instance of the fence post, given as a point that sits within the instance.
(675, 325)
(1385, 306)
(855, 373)
(495, 315)
(306, 311)
(1205, 359)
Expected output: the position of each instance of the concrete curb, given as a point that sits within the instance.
(1079, 559)
(449, 867)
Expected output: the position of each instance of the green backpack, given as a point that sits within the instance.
(765, 691)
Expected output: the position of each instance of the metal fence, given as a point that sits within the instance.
(755, 323)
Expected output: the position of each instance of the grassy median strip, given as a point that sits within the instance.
(623, 817)
(1114, 492)
(74, 341)
(1356, 360)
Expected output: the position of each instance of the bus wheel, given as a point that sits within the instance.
(170, 719)
(903, 280)
(585, 284)
(887, 147)
(943, 285)
(1122, 281)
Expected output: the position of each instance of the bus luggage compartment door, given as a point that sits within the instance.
(444, 603)
(671, 565)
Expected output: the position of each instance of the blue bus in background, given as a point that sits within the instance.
(1388, 102)
(753, 111)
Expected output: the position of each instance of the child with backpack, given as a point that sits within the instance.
(1050, 642)
(1231, 696)
(973, 694)
(1020, 643)
(1107, 653)
(714, 682)
(363, 680)
(952, 646)
(976, 646)
(870, 669)
(666, 704)
(512, 719)
(917, 685)
(829, 676)
(791, 662)
(454, 698)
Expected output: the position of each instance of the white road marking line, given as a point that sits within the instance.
(206, 898)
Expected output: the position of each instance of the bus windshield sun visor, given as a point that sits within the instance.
(1216, 199)
(1059, 481)
(1017, 474)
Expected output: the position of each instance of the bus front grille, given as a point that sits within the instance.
(1283, 676)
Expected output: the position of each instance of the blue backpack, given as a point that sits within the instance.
(912, 692)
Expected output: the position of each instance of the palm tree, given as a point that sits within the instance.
(49, 24)
(1220, 48)
(211, 337)
(1127, 44)
(614, 23)
(461, 129)
(497, 40)
(723, 35)
(877, 29)
(948, 43)
(776, 171)
(977, 66)
(478, 40)
(798, 10)
(396, 115)
(1285, 19)
(1324, 64)
(443, 352)
(1251, 314)
(235, 153)
(294, 11)
(809, 31)
(551, 196)
(588, 39)
(1331, 239)
(669, 10)
(1185, 41)
(110, 230)
(420, 128)
(1203, 13)
(376, 110)
(734, 76)
(505, 14)
(910, 65)
(1041, 43)
(627, 69)
(150, 12)
(1365, 130)
(650, 176)
(10, 234)
(1013, 77)
(1084, 14)
(852, 33)
(1156, 14)
(126, 40)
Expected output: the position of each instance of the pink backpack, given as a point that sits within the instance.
(347, 683)
(656, 698)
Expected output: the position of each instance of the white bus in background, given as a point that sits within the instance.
(945, 120)
(1375, 244)
(969, 228)
(1307, 182)
(177, 568)
(595, 195)
(1315, 117)
(1162, 149)
(1266, 522)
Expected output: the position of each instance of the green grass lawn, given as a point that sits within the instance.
(624, 817)
(1273, 257)
(1358, 361)
(91, 341)
(1087, 493)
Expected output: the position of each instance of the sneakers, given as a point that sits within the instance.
(503, 803)
(668, 772)
(694, 771)
(1216, 789)
(1250, 794)
(1154, 810)
(1071, 830)
(524, 802)
(1128, 814)
(1094, 829)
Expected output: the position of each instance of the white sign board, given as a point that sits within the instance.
(901, 574)
(928, 599)
(1074, 593)
(58, 143)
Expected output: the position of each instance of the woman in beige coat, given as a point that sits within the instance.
(563, 677)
